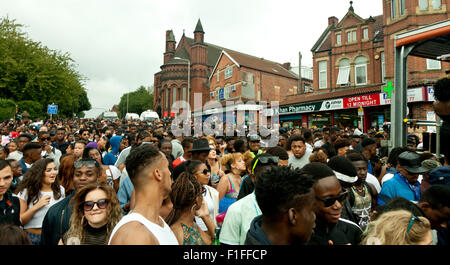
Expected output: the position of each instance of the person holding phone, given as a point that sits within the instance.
(37, 192)
(48, 151)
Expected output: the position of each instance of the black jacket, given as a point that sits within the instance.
(56, 222)
(10, 209)
(247, 187)
(255, 235)
(341, 233)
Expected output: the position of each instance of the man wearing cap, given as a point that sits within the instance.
(405, 183)
(200, 151)
(430, 165)
(254, 145)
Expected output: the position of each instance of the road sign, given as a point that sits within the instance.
(52, 109)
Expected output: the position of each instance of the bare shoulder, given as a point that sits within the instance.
(178, 232)
(133, 233)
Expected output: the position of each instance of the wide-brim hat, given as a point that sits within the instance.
(410, 161)
(200, 145)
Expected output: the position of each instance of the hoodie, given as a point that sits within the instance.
(255, 235)
(110, 158)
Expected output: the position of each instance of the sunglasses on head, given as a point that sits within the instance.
(266, 160)
(411, 222)
(89, 205)
(332, 200)
(88, 163)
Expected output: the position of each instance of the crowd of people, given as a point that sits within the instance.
(98, 182)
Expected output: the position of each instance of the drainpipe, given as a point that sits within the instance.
(331, 73)
(301, 91)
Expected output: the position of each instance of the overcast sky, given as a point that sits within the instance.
(118, 45)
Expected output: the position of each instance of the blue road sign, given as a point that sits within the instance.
(221, 93)
(52, 109)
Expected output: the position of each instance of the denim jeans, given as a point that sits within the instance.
(35, 239)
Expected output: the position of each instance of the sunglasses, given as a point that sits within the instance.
(89, 205)
(332, 200)
(88, 163)
(266, 160)
(44, 138)
(411, 222)
(205, 172)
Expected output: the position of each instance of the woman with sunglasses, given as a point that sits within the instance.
(38, 191)
(187, 200)
(330, 228)
(399, 227)
(210, 195)
(96, 212)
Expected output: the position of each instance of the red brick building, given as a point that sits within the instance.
(219, 74)
(353, 59)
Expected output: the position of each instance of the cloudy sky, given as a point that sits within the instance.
(118, 45)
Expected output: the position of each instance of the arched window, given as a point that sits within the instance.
(360, 70)
(344, 72)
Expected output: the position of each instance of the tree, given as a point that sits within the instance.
(138, 101)
(31, 71)
(33, 108)
(7, 109)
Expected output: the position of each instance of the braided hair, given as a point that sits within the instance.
(185, 191)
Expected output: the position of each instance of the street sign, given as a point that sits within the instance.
(388, 89)
(52, 109)
(360, 112)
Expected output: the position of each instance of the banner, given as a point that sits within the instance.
(300, 108)
(362, 101)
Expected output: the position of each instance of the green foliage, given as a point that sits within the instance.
(7, 109)
(138, 101)
(31, 71)
(34, 108)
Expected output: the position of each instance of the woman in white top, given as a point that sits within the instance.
(38, 191)
(110, 174)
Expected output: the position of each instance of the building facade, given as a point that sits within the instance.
(354, 59)
(220, 75)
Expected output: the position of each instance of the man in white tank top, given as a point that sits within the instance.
(148, 169)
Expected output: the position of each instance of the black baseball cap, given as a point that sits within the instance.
(410, 161)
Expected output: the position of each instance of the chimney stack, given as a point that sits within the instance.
(333, 21)
(287, 66)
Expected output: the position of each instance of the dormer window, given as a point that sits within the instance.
(338, 39)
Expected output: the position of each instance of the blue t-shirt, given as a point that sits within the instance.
(398, 186)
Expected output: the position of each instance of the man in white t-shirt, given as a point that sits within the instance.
(300, 154)
(148, 170)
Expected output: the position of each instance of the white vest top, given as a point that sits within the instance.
(165, 236)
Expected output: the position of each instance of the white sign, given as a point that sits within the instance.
(332, 104)
(430, 91)
(431, 116)
(413, 95)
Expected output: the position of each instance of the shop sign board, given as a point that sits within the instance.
(301, 108)
(362, 101)
(360, 111)
(413, 95)
(333, 104)
(430, 91)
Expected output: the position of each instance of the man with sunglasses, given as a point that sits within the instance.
(48, 151)
(241, 213)
(330, 228)
(56, 221)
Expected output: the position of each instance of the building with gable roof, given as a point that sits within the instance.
(353, 60)
(221, 75)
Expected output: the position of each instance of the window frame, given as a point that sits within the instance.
(393, 9)
(341, 72)
(323, 73)
(356, 71)
(228, 72)
(421, 4)
(338, 39)
(440, 4)
(365, 33)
